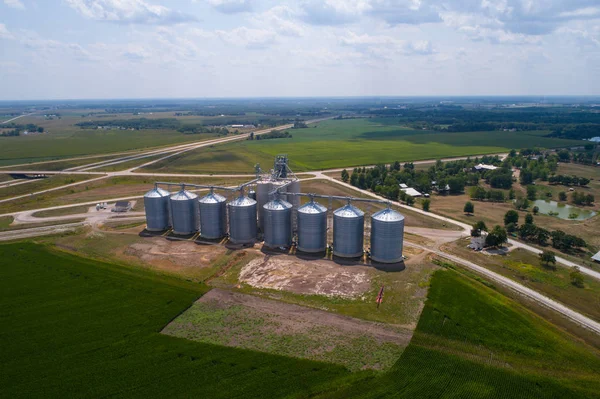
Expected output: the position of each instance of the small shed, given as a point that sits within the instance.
(596, 258)
(122, 206)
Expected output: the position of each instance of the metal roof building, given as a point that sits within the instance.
(596, 257)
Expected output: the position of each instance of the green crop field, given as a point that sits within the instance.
(472, 342)
(65, 140)
(342, 143)
(74, 327)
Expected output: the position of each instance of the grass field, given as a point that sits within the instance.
(40, 185)
(472, 342)
(112, 187)
(66, 140)
(344, 143)
(5, 223)
(525, 268)
(74, 327)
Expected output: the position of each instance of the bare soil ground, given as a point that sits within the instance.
(239, 320)
(316, 277)
(158, 251)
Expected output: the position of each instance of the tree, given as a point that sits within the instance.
(426, 203)
(354, 179)
(535, 210)
(511, 217)
(526, 177)
(478, 228)
(547, 257)
(409, 200)
(531, 193)
(345, 176)
(456, 185)
(562, 196)
(469, 208)
(496, 237)
(511, 227)
(529, 218)
(576, 277)
(362, 181)
(521, 203)
(511, 194)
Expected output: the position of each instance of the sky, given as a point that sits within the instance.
(87, 49)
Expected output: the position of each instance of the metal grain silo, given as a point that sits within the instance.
(387, 235)
(348, 231)
(156, 204)
(252, 194)
(213, 216)
(294, 187)
(242, 220)
(263, 188)
(184, 212)
(277, 220)
(312, 227)
(282, 190)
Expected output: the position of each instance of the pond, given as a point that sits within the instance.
(563, 211)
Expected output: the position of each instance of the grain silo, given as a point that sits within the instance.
(156, 205)
(252, 194)
(294, 187)
(277, 219)
(348, 231)
(242, 220)
(213, 216)
(263, 188)
(387, 235)
(282, 190)
(312, 227)
(184, 212)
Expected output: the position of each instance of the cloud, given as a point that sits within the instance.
(129, 12)
(280, 19)
(333, 12)
(248, 37)
(46, 48)
(412, 12)
(17, 4)
(385, 47)
(232, 6)
(5, 33)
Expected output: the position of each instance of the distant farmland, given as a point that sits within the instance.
(341, 143)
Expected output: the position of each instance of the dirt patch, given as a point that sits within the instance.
(174, 255)
(316, 277)
(241, 320)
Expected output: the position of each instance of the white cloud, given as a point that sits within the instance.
(129, 11)
(333, 12)
(249, 37)
(385, 47)
(280, 19)
(232, 6)
(17, 4)
(5, 33)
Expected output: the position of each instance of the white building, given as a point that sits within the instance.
(483, 166)
(411, 191)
